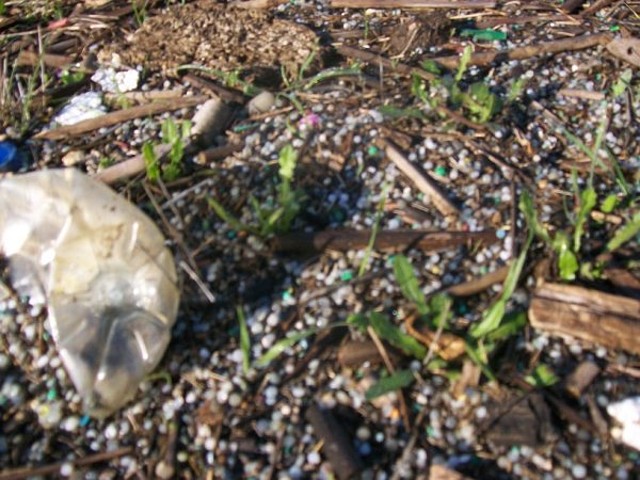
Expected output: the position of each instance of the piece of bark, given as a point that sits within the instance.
(521, 53)
(627, 49)
(423, 182)
(120, 116)
(32, 59)
(336, 443)
(345, 239)
(212, 154)
(354, 353)
(413, 4)
(581, 377)
(446, 345)
(572, 6)
(440, 472)
(609, 320)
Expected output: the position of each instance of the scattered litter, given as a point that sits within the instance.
(12, 158)
(81, 107)
(109, 281)
(627, 414)
(117, 82)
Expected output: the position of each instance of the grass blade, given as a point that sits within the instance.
(408, 283)
(245, 340)
(280, 346)
(395, 381)
(625, 233)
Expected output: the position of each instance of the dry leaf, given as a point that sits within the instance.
(448, 346)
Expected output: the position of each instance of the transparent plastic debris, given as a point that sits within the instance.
(116, 82)
(627, 413)
(103, 268)
(81, 107)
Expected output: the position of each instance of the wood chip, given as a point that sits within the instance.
(581, 378)
(609, 320)
(440, 472)
(337, 446)
(627, 49)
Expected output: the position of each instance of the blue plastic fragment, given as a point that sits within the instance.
(11, 158)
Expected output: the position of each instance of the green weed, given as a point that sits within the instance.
(477, 102)
(271, 219)
(175, 136)
(245, 340)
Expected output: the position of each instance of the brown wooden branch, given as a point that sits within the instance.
(374, 58)
(413, 4)
(612, 321)
(422, 182)
(345, 239)
(120, 116)
(520, 53)
(54, 468)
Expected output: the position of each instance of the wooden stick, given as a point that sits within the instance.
(479, 284)
(120, 116)
(387, 240)
(421, 181)
(384, 62)
(54, 468)
(519, 53)
(609, 320)
(129, 167)
(412, 4)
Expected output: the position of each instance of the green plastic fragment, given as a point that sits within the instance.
(484, 35)
(346, 276)
(52, 394)
(441, 171)
(373, 150)
(614, 28)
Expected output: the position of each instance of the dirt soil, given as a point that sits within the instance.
(408, 239)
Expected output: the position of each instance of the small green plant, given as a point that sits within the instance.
(229, 79)
(478, 102)
(139, 8)
(271, 219)
(174, 136)
(245, 340)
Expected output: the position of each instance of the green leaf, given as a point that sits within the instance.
(567, 261)
(431, 67)
(359, 321)
(625, 233)
(528, 210)
(623, 82)
(395, 381)
(151, 162)
(609, 204)
(493, 316)
(464, 62)
(226, 217)
(396, 337)
(510, 325)
(245, 340)
(542, 376)
(408, 283)
(287, 160)
(588, 199)
(280, 346)
(440, 307)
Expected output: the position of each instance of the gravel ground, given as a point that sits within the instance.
(215, 408)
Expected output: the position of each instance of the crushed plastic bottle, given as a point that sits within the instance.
(108, 279)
